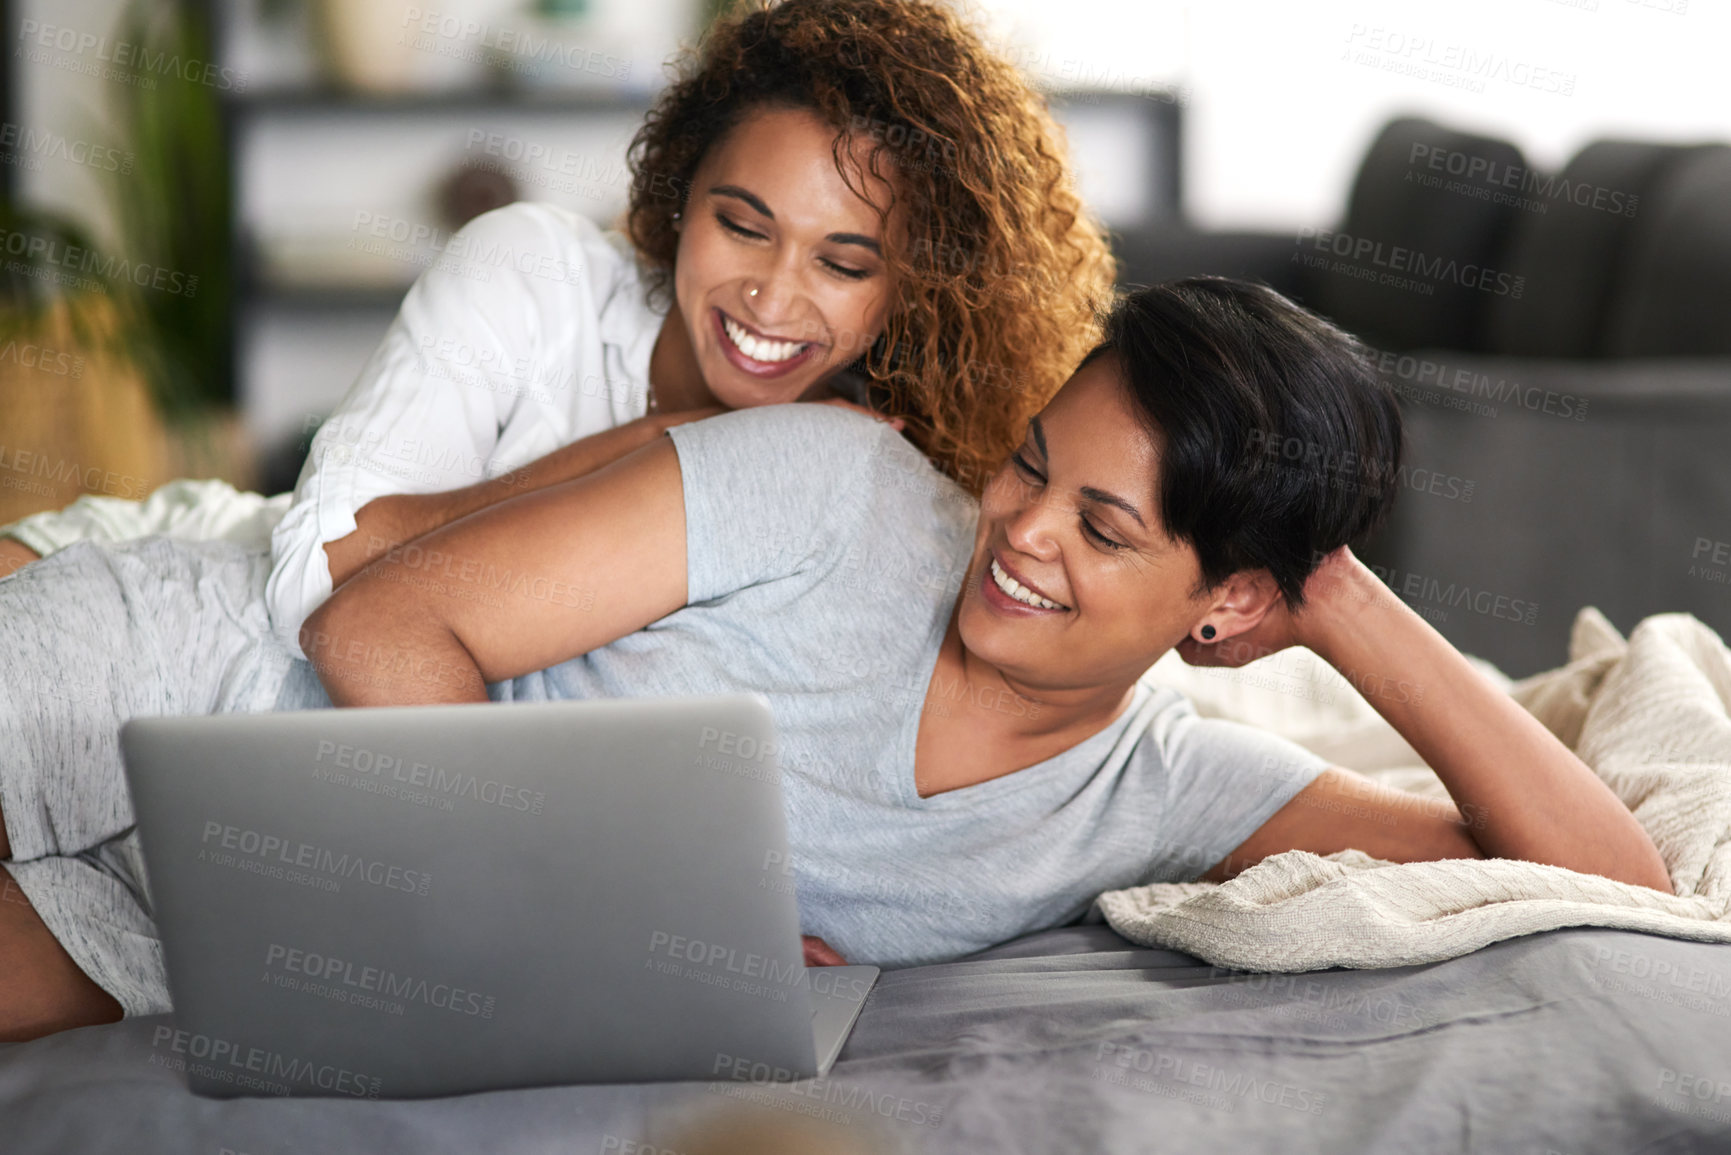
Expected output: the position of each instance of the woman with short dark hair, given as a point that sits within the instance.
(967, 749)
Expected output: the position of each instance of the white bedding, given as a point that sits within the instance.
(1649, 715)
(196, 509)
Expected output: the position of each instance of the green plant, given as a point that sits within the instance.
(171, 210)
(40, 285)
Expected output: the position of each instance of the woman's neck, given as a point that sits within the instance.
(979, 723)
(675, 379)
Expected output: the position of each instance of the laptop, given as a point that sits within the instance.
(413, 901)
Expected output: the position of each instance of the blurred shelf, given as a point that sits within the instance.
(333, 101)
(325, 299)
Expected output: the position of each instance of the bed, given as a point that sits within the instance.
(1069, 1040)
(1560, 1037)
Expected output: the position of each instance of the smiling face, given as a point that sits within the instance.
(1074, 582)
(780, 274)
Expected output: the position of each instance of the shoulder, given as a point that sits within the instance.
(800, 443)
(1160, 719)
(1212, 783)
(546, 249)
(540, 228)
(1169, 731)
(853, 471)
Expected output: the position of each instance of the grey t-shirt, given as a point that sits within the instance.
(825, 556)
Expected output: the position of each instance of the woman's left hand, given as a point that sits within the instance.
(819, 953)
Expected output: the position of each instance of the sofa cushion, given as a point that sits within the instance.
(1573, 239)
(1674, 297)
(1422, 230)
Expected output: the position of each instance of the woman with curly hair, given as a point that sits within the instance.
(994, 762)
(845, 200)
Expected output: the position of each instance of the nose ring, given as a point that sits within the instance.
(752, 293)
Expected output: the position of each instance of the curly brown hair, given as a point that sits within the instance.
(1002, 277)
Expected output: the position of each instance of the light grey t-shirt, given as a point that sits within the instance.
(825, 556)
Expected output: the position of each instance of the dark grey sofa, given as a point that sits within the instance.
(1562, 346)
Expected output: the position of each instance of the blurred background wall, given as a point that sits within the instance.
(1277, 118)
(334, 144)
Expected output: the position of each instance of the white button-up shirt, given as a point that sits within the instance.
(532, 330)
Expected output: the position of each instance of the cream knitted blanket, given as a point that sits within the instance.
(1649, 715)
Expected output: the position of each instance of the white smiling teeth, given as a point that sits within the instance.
(1019, 591)
(758, 349)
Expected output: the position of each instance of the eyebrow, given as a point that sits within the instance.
(1104, 498)
(1039, 432)
(1088, 491)
(756, 202)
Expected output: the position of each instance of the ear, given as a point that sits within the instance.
(1238, 605)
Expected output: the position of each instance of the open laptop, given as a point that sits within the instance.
(431, 900)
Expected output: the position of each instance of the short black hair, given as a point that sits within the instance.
(1279, 443)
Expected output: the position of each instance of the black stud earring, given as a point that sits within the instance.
(1207, 633)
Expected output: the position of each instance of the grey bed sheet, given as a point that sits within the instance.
(1066, 1041)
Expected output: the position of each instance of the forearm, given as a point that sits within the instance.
(1525, 794)
(397, 634)
(389, 521)
(14, 554)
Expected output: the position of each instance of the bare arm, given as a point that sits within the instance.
(523, 584)
(1524, 794)
(389, 521)
(13, 554)
(1341, 810)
